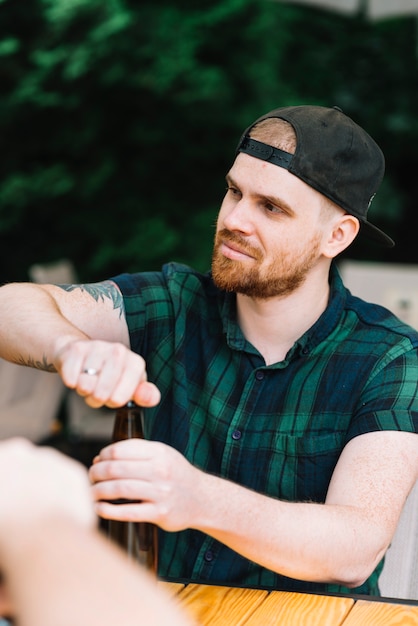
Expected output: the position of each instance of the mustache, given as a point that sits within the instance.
(227, 236)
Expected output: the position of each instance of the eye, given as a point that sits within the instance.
(233, 191)
(272, 208)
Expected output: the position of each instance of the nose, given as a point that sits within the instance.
(237, 216)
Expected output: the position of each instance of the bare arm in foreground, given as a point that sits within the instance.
(57, 568)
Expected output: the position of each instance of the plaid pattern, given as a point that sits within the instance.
(279, 429)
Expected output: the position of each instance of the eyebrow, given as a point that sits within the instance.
(274, 200)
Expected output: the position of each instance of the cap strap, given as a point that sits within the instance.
(265, 152)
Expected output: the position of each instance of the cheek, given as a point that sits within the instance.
(225, 209)
(221, 214)
(285, 247)
(276, 243)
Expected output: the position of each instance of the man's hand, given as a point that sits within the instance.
(81, 332)
(105, 373)
(155, 474)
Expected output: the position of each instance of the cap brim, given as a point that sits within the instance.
(375, 233)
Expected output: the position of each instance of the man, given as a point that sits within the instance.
(56, 567)
(282, 411)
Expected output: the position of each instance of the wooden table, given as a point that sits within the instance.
(231, 606)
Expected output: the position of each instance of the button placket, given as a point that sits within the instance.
(209, 556)
(237, 425)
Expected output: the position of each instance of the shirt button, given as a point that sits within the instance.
(209, 556)
(259, 374)
(236, 435)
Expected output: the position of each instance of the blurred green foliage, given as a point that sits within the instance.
(119, 120)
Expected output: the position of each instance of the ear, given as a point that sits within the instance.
(341, 234)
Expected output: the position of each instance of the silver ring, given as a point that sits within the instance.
(90, 371)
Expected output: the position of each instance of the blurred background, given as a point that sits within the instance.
(119, 119)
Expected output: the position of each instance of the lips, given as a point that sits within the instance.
(233, 250)
(235, 247)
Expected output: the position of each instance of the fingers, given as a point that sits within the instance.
(124, 471)
(129, 449)
(130, 490)
(161, 485)
(106, 373)
(130, 458)
(147, 394)
(146, 511)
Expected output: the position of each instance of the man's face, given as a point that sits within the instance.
(269, 231)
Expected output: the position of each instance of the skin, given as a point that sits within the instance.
(269, 220)
(74, 574)
(263, 269)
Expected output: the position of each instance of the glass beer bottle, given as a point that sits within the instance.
(138, 539)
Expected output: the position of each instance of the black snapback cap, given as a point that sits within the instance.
(333, 155)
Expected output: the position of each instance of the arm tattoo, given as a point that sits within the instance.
(100, 291)
(39, 365)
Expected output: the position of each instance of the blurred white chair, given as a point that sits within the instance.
(392, 285)
(60, 272)
(399, 578)
(30, 400)
(82, 422)
(86, 423)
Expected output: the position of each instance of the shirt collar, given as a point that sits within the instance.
(322, 328)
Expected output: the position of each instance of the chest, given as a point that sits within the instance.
(278, 430)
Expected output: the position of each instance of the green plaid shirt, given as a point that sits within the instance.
(277, 429)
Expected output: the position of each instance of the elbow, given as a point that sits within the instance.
(358, 572)
(350, 578)
(353, 583)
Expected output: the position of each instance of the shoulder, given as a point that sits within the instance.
(176, 285)
(180, 277)
(173, 276)
(380, 322)
(367, 321)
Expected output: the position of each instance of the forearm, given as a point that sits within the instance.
(340, 541)
(36, 328)
(308, 541)
(66, 574)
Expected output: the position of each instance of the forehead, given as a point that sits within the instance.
(259, 178)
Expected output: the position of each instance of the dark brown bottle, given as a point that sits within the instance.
(138, 539)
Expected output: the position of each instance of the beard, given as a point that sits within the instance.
(283, 275)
